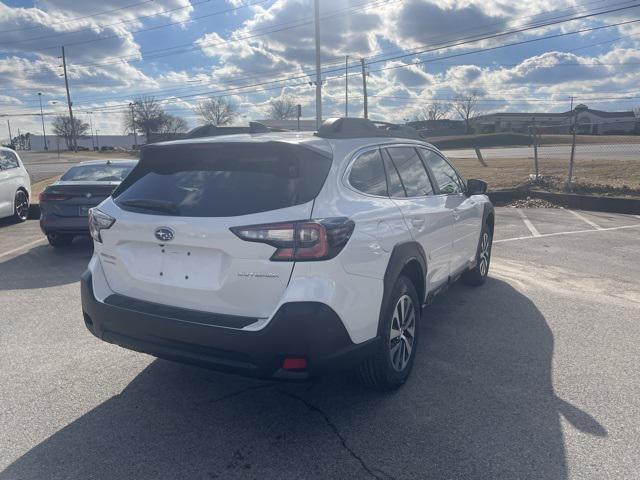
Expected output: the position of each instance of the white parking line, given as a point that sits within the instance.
(534, 231)
(566, 233)
(21, 247)
(585, 220)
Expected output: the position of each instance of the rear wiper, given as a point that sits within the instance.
(148, 204)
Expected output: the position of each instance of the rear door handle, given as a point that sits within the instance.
(417, 222)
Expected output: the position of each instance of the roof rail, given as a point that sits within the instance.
(347, 127)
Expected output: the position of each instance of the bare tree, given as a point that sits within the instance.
(217, 111)
(436, 110)
(282, 108)
(63, 127)
(466, 106)
(148, 117)
(172, 127)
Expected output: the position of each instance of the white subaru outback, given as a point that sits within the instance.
(284, 255)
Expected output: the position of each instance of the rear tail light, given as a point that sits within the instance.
(99, 221)
(301, 241)
(53, 197)
(294, 363)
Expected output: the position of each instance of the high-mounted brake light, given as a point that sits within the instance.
(301, 241)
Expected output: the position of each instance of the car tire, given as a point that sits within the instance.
(478, 274)
(21, 206)
(59, 240)
(390, 365)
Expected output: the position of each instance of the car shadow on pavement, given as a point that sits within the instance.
(44, 266)
(480, 404)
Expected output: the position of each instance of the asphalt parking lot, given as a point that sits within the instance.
(533, 375)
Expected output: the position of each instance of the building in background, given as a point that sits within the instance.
(588, 121)
(439, 128)
(36, 142)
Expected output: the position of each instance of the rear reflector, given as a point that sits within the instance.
(294, 364)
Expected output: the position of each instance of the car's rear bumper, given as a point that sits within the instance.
(50, 222)
(309, 330)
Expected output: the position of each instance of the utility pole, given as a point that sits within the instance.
(573, 146)
(44, 133)
(534, 134)
(97, 141)
(133, 126)
(66, 84)
(10, 136)
(299, 111)
(318, 74)
(346, 85)
(93, 145)
(364, 88)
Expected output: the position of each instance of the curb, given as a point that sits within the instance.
(572, 200)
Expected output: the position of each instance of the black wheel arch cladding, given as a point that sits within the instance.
(407, 254)
(488, 216)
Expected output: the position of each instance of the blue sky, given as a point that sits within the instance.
(182, 51)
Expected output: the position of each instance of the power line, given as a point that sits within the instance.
(135, 19)
(192, 19)
(261, 84)
(255, 33)
(79, 18)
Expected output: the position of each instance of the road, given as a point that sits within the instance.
(626, 151)
(533, 375)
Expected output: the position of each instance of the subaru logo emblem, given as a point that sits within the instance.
(88, 195)
(164, 234)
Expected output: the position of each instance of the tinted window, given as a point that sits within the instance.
(396, 189)
(8, 160)
(443, 173)
(97, 173)
(367, 174)
(222, 179)
(411, 170)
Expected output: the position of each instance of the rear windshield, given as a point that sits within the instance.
(223, 179)
(97, 173)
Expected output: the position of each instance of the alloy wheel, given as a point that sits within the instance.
(485, 252)
(22, 205)
(403, 328)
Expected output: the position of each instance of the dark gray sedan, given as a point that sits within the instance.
(64, 205)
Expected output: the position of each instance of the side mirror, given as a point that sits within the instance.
(476, 187)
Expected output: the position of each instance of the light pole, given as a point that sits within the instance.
(318, 74)
(93, 145)
(44, 133)
(346, 86)
(133, 126)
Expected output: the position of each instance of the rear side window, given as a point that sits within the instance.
(367, 174)
(396, 189)
(8, 160)
(445, 176)
(411, 171)
(222, 179)
(97, 173)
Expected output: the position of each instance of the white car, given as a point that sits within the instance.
(284, 255)
(15, 186)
